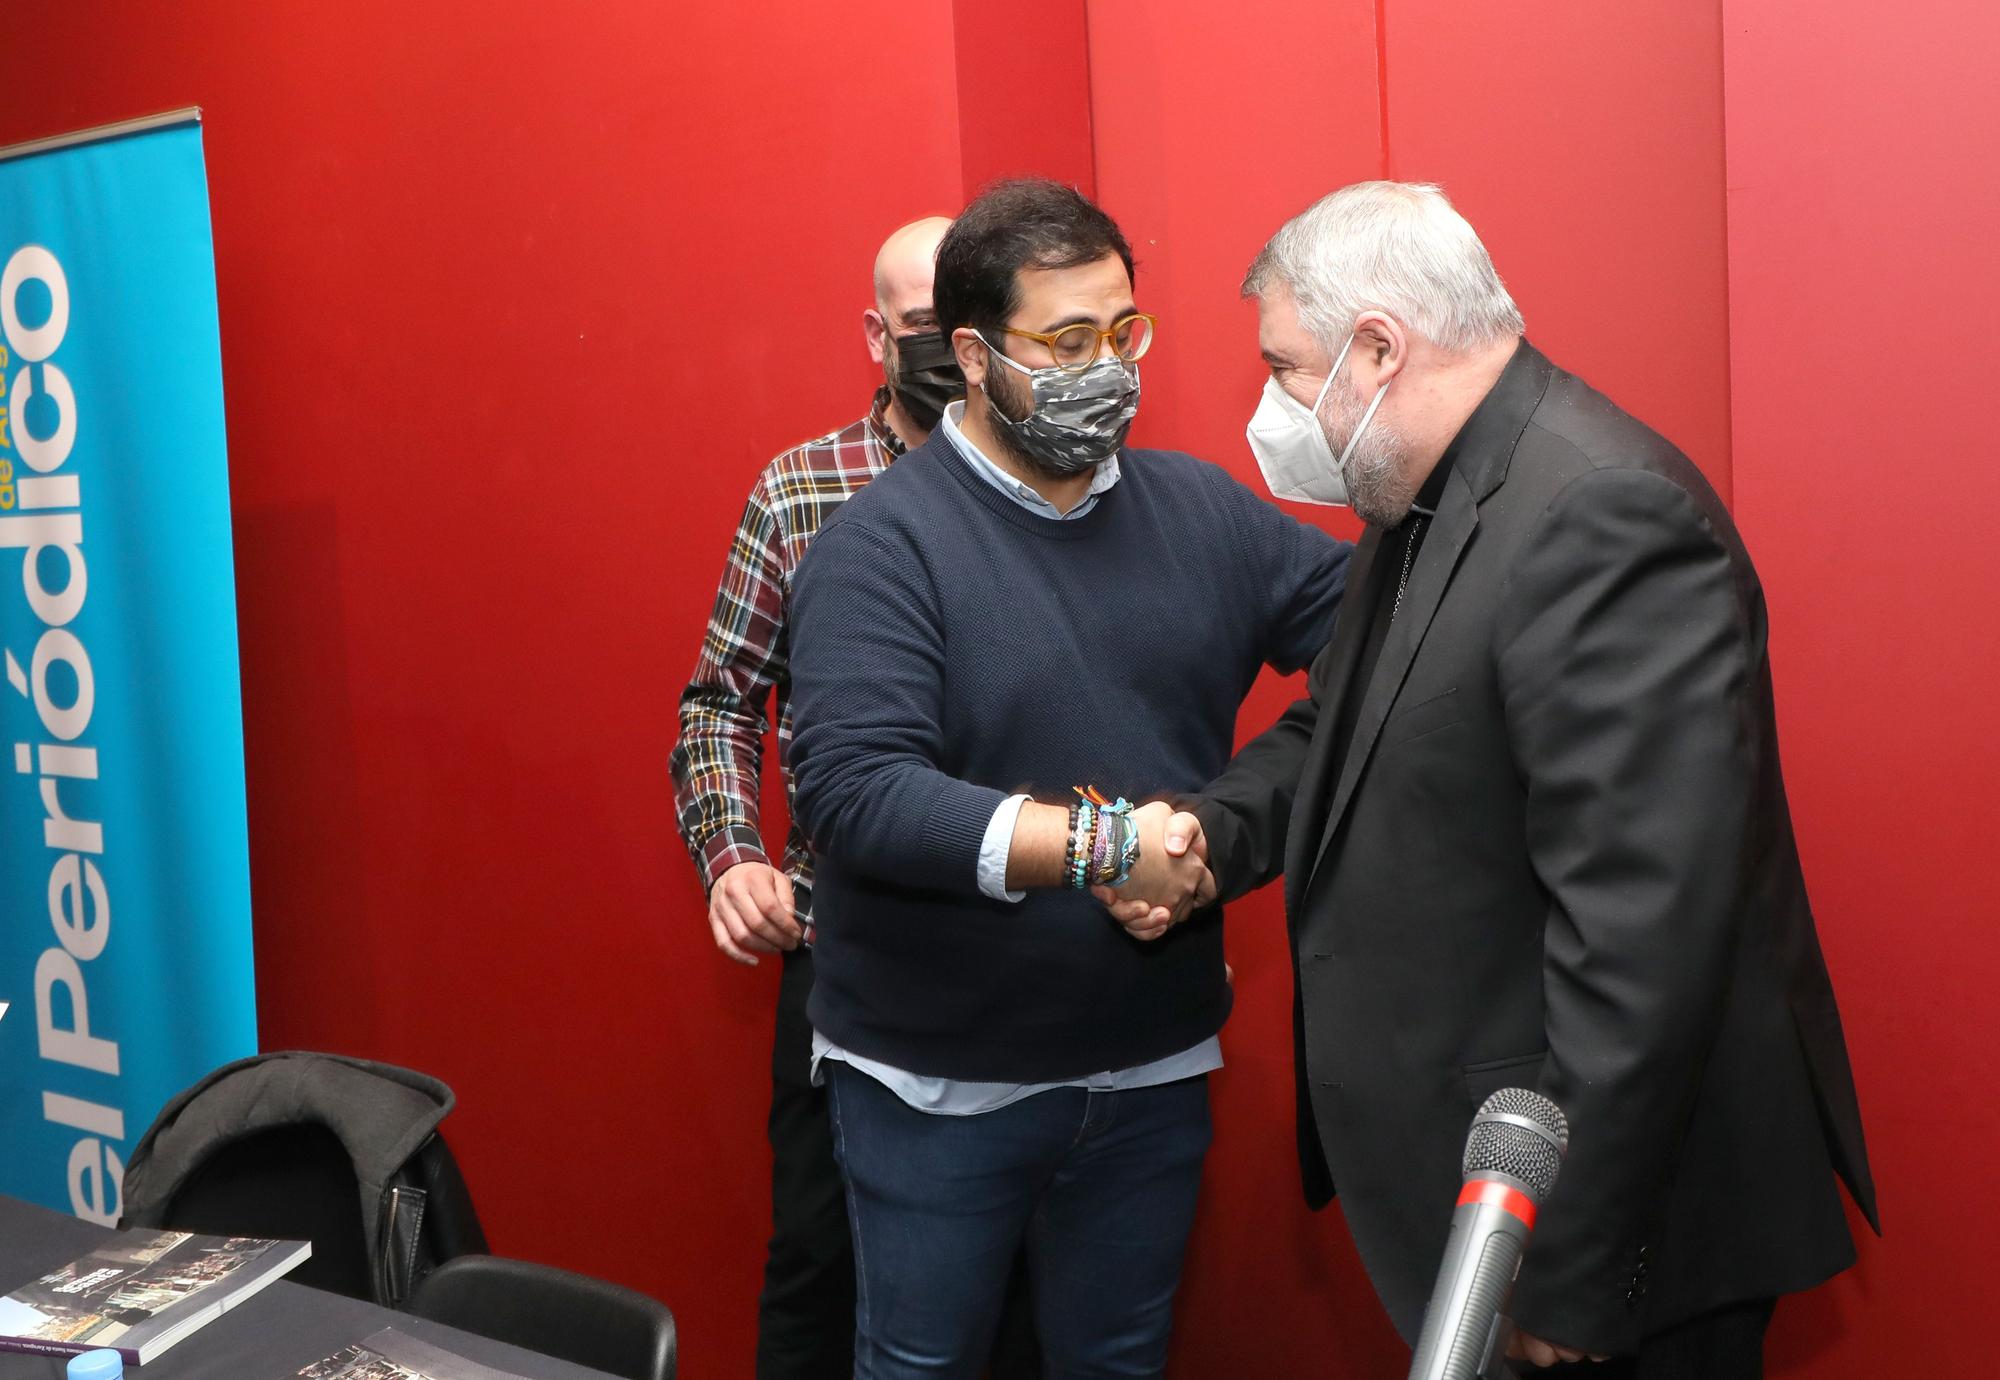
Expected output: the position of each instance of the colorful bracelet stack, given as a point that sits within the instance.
(1103, 841)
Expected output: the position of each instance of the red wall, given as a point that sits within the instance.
(1862, 211)
(1584, 141)
(1023, 92)
(516, 300)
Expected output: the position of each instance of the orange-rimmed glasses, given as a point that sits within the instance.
(1074, 349)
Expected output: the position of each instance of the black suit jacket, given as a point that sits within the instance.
(1558, 856)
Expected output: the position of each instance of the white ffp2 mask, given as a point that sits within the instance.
(1291, 446)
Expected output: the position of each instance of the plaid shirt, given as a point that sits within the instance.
(745, 654)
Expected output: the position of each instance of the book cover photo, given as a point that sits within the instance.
(393, 1355)
(140, 1292)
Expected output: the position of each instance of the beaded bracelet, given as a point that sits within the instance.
(1077, 859)
(1114, 849)
(1069, 841)
(1076, 853)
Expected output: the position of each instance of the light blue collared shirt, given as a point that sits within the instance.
(962, 1097)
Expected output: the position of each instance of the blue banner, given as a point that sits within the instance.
(125, 957)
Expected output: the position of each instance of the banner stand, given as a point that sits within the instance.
(126, 969)
(187, 114)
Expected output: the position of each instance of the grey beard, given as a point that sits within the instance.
(1378, 487)
(1377, 480)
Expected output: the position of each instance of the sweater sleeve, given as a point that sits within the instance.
(1246, 813)
(1298, 572)
(868, 702)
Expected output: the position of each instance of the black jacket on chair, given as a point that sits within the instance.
(1559, 856)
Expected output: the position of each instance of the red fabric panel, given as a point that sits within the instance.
(1584, 143)
(1863, 287)
(1024, 92)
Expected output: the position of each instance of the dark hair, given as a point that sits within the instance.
(1030, 222)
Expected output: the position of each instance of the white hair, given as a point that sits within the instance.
(1394, 247)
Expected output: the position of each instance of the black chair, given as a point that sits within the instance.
(573, 1317)
(295, 1183)
(340, 1152)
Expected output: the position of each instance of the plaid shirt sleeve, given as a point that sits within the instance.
(718, 761)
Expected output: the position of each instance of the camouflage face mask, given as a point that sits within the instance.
(1079, 419)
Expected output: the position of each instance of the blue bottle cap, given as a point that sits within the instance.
(96, 1365)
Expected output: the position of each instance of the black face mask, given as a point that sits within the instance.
(924, 376)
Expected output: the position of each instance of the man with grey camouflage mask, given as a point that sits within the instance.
(1018, 628)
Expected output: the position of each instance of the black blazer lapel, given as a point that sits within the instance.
(1481, 453)
(1314, 785)
(1457, 518)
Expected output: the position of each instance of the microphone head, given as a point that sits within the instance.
(1520, 1134)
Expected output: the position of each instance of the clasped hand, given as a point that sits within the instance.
(1171, 877)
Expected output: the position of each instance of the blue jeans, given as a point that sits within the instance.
(1101, 1185)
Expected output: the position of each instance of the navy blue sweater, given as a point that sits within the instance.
(950, 648)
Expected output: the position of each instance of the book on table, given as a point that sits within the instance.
(140, 1292)
(393, 1355)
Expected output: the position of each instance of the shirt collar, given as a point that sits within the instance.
(878, 424)
(1429, 496)
(1023, 494)
(1484, 446)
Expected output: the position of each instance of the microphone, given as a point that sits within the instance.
(1512, 1156)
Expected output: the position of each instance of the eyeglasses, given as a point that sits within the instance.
(1074, 349)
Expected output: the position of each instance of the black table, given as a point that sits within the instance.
(266, 1337)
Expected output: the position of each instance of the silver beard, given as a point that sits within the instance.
(1378, 485)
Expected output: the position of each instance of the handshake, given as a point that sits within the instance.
(1171, 877)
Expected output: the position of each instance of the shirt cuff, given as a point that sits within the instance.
(994, 848)
(727, 847)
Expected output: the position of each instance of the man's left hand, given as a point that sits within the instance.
(1526, 1346)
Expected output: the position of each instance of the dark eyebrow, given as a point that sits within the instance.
(1085, 319)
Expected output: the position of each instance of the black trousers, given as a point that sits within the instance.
(1726, 1344)
(805, 1316)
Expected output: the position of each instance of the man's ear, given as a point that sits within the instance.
(876, 329)
(1381, 347)
(971, 352)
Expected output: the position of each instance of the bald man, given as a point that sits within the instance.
(805, 1322)
(754, 907)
